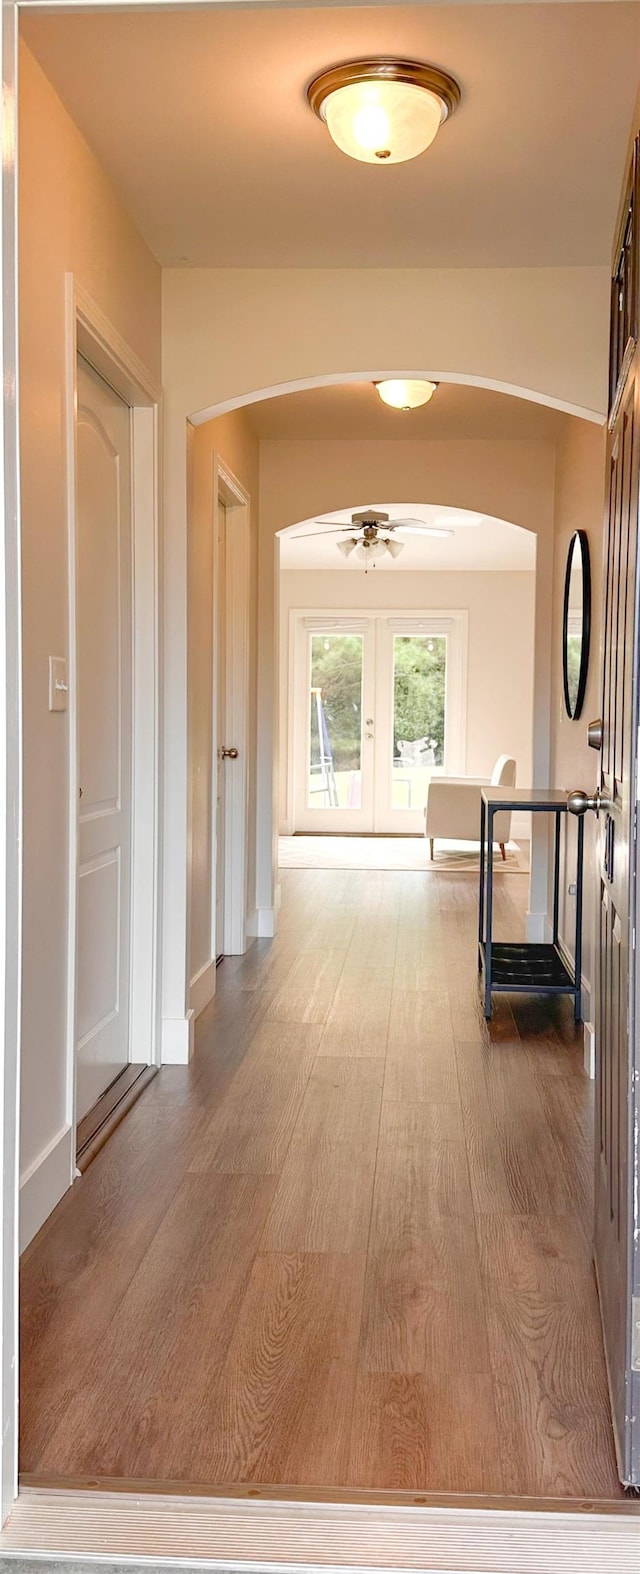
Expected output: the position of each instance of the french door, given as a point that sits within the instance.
(378, 707)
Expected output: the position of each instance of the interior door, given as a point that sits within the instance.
(617, 1243)
(221, 722)
(104, 720)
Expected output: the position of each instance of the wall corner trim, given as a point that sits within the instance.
(263, 924)
(45, 1182)
(589, 1050)
(177, 1039)
(202, 987)
(537, 928)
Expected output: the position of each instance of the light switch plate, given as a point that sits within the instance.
(58, 686)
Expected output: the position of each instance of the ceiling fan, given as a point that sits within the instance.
(373, 533)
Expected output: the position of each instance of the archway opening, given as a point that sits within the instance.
(396, 638)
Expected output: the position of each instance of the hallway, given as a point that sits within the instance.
(348, 1247)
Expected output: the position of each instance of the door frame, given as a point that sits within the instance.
(228, 490)
(89, 333)
(395, 621)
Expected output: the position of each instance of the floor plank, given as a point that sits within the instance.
(168, 1339)
(410, 1430)
(423, 1297)
(251, 1130)
(278, 1412)
(549, 1376)
(358, 1022)
(420, 1062)
(323, 1200)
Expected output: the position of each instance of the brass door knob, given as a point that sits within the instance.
(228, 754)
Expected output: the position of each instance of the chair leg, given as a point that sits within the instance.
(432, 845)
(502, 850)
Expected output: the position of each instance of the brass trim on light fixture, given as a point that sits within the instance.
(385, 69)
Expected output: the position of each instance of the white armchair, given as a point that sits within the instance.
(452, 809)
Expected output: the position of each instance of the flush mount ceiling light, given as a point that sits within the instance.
(383, 111)
(403, 395)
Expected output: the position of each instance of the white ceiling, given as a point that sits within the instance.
(490, 544)
(200, 118)
(354, 412)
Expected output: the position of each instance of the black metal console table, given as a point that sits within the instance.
(526, 968)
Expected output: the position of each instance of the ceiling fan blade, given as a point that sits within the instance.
(307, 535)
(395, 523)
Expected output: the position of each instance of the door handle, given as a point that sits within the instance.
(579, 801)
(228, 754)
(595, 733)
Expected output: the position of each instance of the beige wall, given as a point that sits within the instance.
(501, 608)
(579, 506)
(70, 221)
(231, 439)
(232, 332)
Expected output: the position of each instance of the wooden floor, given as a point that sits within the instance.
(349, 1246)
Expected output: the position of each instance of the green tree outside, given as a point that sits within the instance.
(418, 693)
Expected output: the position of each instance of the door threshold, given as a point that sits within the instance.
(101, 1120)
(33, 1481)
(320, 1530)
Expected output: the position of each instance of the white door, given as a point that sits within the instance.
(220, 603)
(333, 724)
(379, 707)
(104, 720)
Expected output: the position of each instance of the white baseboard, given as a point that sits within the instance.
(537, 928)
(177, 1039)
(202, 987)
(262, 924)
(590, 1050)
(45, 1182)
(586, 1002)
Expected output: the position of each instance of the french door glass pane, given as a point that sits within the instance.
(335, 730)
(419, 687)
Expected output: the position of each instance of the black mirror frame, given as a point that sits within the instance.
(579, 537)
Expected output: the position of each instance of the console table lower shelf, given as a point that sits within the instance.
(523, 967)
(529, 969)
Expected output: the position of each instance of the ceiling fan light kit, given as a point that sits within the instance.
(383, 110)
(405, 393)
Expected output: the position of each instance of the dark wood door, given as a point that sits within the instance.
(617, 1250)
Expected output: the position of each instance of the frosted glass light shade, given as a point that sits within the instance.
(382, 122)
(406, 395)
(394, 548)
(368, 550)
(384, 110)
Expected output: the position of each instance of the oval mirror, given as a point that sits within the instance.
(576, 626)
